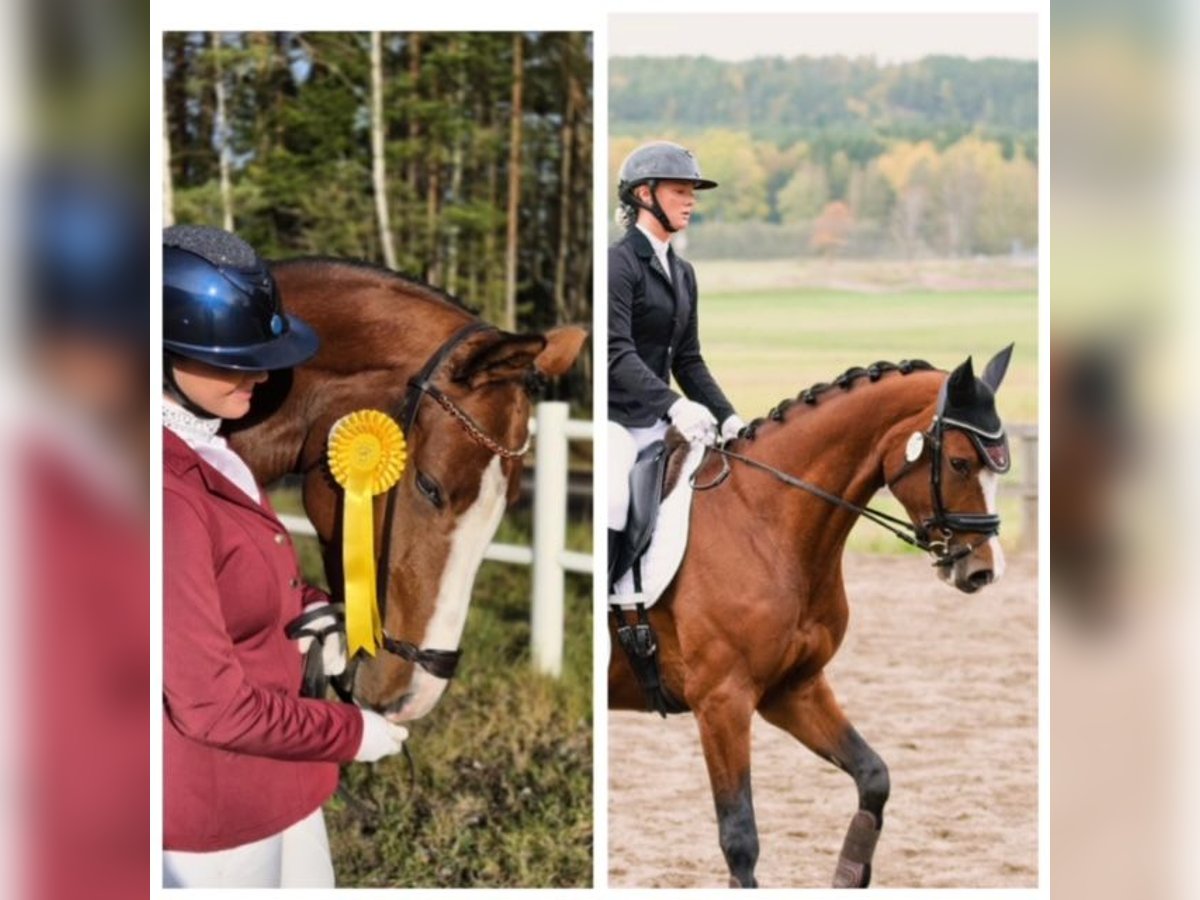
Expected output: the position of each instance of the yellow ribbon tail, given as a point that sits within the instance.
(364, 631)
(366, 456)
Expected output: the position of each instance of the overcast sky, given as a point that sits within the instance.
(887, 37)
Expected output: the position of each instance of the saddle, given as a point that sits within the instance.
(645, 495)
(655, 474)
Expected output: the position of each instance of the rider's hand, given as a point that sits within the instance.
(693, 420)
(730, 427)
(380, 737)
(326, 629)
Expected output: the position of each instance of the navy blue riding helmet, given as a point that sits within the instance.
(221, 305)
(85, 253)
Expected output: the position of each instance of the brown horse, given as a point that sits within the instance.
(466, 424)
(758, 607)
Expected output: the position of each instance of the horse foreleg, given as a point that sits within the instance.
(724, 721)
(811, 714)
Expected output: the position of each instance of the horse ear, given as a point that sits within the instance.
(993, 374)
(960, 386)
(562, 347)
(507, 358)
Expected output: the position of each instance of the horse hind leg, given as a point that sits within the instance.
(811, 714)
(724, 723)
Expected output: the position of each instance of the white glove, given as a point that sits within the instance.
(693, 420)
(730, 427)
(380, 737)
(333, 638)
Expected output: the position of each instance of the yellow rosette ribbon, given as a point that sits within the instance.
(367, 454)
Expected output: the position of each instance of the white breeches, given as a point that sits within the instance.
(623, 447)
(296, 857)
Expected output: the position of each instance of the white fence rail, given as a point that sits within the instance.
(548, 555)
(1027, 436)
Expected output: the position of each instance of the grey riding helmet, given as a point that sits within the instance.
(221, 305)
(654, 162)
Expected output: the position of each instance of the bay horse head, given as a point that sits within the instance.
(963, 449)
(462, 392)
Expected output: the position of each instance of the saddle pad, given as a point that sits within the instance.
(661, 559)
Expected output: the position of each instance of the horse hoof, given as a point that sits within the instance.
(851, 874)
(854, 863)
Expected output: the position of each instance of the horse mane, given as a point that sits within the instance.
(844, 382)
(409, 283)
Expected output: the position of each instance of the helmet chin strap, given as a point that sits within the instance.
(173, 388)
(654, 208)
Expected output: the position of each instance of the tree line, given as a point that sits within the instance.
(844, 156)
(464, 159)
(833, 102)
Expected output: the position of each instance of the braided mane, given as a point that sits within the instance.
(845, 382)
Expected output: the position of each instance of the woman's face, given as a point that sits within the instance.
(677, 199)
(223, 392)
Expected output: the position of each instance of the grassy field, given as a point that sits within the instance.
(503, 765)
(787, 330)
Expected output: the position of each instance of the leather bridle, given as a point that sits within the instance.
(439, 663)
(945, 523)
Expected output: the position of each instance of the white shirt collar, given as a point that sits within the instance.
(50, 419)
(659, 247)
(201, 435)
(189, 426)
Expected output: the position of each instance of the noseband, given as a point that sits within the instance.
(438, 663)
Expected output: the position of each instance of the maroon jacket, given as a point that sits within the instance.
(84, 745)
(244, 755)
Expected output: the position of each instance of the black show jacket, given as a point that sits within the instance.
(653, 333)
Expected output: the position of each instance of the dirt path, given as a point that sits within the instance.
(942, 684)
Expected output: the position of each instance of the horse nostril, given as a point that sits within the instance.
(981, 578)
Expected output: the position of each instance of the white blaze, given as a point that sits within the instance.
(468, 542)
(988, 481)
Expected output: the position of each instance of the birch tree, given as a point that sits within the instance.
(168, 196)
(514, 187)
(378, 161)
(222, 135)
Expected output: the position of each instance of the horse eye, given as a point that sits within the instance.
(430, 489)
(960, 465)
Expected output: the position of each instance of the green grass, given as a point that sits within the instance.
(503, 764)
(767, 344)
